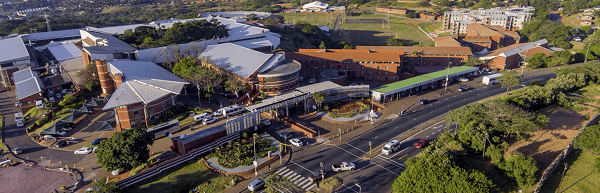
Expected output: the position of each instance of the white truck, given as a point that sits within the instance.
(491, 79)
(343, 167)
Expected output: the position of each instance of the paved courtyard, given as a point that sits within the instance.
(20, 179)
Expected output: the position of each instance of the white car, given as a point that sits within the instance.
(64, 91)
(296, 142)
(17, 150)
(46, 137)
(256, 184)
(301, 79)
(266, 122)
(218, 112)
(577, 39)
(62, 133)
(17, 104)
(312, 80)
(463, 79)
(20, 124)
(209, 120)
(84, 150)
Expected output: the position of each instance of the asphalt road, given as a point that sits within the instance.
(377, 174)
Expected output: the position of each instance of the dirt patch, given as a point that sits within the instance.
(544, 145)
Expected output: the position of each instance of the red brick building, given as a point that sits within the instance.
(399, 11)
(485, 37)
(430, 16)
(511, 57)
(140, 92)
(427, 59)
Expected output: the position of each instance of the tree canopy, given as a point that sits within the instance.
(538, 60)
(540, 27)
(509, 79)
(125, 150)
(394, 42)
(179, 33)
(520, 168)
(473, 61)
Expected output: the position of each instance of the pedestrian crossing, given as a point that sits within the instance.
(294, 177)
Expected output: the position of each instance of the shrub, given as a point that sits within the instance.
(92, 85)
(67, 100)
(42, 121)
(137, 169)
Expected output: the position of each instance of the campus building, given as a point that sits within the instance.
(13, 54)
(321, 7)
(139, 92)
(426, 59)
(393, 10)
(513, 56)
(272, 73)
(510, 19)
(480, 38)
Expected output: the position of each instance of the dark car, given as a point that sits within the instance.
(285, 135)
(316, 176)
(60, 143)
(97, 141)
(423, 101)
(463, 88)
(421, 143)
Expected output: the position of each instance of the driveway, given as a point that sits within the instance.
(17, 137)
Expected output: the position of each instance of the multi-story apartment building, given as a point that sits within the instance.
(511, 19)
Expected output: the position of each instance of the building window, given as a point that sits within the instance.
(378, 78)
(377, 67)
(386, 67)
(346, 66)
(386, 73)
(362, 72)
(370, 72)
(353, 66)
(136, 112)
(151, 109)
(394, 78)
(164, 105)
(362, 67)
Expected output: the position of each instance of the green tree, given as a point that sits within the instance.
(319, 97)
(437, 174)
(67, 100)
(509, 79)
(102, 186)
(538, 60)
(520, 168)
(183, 66)
(322, 45)
(125, 150)
(394, 42)
(346, 45)
(586, 29)
(597, 164)
(560, 58)
(49, 106)
(473, 61)
(92, 85)
(234, 85)
(589, 139)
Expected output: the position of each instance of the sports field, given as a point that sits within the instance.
(377, 33)
(318, 19)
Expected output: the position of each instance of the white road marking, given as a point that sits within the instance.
(369, 161)
(294, 179)
(390, 161)
(349, 188)
(355, 148)
(303, 182)
(306, 185)
(283, 168)
(376, 137)
(300, 166)
(427, 136)
(308, 189)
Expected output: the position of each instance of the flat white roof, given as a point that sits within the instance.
(239, 60)
(12, 49)
(65, 52)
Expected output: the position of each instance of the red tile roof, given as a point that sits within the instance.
(539, 49)
(482, 30)
(463, 51)
(447, 41)
(346, 54)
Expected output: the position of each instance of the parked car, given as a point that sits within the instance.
(353, 84)
(266, 122)
(463, 88)
(463, 79)
(62, 133)
(65, 91)
(58, 95)
(296, 142)
(201, 117)
(47, 137)
(343, 167)
(61, 143)
(20, 124)
(209, 120)
(94, 149)
(83, 150)
(256, 184)
(97, 141)
(423, 101)
(17, 150)
(316, 176)
(301, 79)
(116, 172)
(421, 143)
(312, 80)
(285, 135)
(17, 104)
(576, 38)
(218, 112)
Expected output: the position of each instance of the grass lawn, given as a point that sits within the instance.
(579, 177)
(33, 113)
(183, 179)
(317, 19)
(572, 20)
(48, 124)
(373, 34)
(430, 27)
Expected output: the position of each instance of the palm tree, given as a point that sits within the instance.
(319, 97)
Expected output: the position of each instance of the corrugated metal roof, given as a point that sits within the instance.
(115, 45)
(12, 48)
(143, 82)
(52, 35)
(65, 52)
(118, 29)
(254, 43)
(55, 80)
(27, 83)
(318, 87)
(241, 61)
(411, 82)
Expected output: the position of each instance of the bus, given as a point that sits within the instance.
(491, 79)
(233, 110)
(164, 129)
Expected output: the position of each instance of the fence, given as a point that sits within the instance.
(562, 156)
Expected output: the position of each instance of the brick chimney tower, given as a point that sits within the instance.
(106, 82)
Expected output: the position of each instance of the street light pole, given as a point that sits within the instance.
(447, 74)
(369, 148)
(359, 188)
(254, 144)
(340, 130)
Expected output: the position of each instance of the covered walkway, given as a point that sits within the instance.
(396, 90)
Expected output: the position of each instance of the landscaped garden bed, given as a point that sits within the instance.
(241, 151)
(347, 110)
(277, 183)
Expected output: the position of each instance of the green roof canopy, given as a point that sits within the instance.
(422, 78)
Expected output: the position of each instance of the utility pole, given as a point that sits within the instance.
(447, 74)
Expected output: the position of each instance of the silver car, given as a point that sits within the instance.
(84, 150)
(256, 184)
